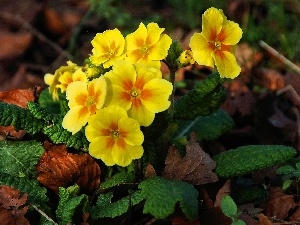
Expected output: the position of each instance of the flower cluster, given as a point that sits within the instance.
(122, 88)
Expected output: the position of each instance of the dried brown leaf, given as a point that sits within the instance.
(150, 171)
(279, 204)
(263, 220)
(269, 78)
(58, 168)
(14, 44)
(178, 220)
(12, 206)
(225, 190)
(195, 167)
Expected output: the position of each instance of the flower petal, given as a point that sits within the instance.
(123, 154)
(145, 74)
(123, 75)
(153, 33)
(212, 22)
(226, 64)
(202, 50)
(97, 89)
(140, 113)
(136, 39)
(98, 148)
(76, 93)
(129, 129)
(80, 115)
(230, 34)
(160, 50)
(155, 95)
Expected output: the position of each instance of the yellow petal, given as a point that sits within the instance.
(226, 64)
(99, 150)
(97, 88)
(123, 155)
(130, 130)
(145, 74)
(153, 33)
(160, 50)
(48, 79)
(155, 95)
(123, 75)
(79, 75)
(78, 114)
(230, 34)
(76, 91)
(202, 50)
(140, 113)
(212, 22)
(136, 39)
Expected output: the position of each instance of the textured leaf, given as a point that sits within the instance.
(246, 159)
(36, 193)
(118, 178)
(58, 168)
(162, 195)
(206, 127)
(195, 167)
(69, 204)
(173, 55)
(20, 118)
(41, 113)
(19, 158)
(203, 100)
(58, 135)
(106, 208)
(45, 100)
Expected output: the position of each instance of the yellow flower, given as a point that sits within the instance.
(147, 45)
(138, 89)
(215, 44)
(84, 100)
(62, 77)
(108, 47)
(115, 138)
(186, 58)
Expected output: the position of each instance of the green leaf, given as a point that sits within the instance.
(285, 170)
(206, 127)
(36, 193)
(58, 134)
(18, 158)
(20, 118)
(105, 207)
(228, 206)
(118, 178)
(246, 159)
(238, 222)
(162, 195)
(42, 113)
(203, 100)
(45, 100)
(286, 184)
(71, 205)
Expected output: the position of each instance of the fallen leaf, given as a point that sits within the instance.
(14, 44)
(263, 220)
(214, 216)
(150, 171)
(225, 190)
(54, 21)
(195, 167)
(239, 98)
(58, 168)
(279, 204)
(269, 78)
(12, 206)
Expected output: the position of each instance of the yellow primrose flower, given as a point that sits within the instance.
(138, 89)
(84, 100)
(115, 138)
(186, 58)
(147, 45)
(62, 77)
(108, 47)
(215, 44)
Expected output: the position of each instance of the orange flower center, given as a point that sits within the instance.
(144, 50)
(217, 45)
(111, 52)
(89, 101)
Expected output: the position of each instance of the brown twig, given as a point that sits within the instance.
(279, 56)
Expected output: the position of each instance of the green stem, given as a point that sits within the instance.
(172, 80)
